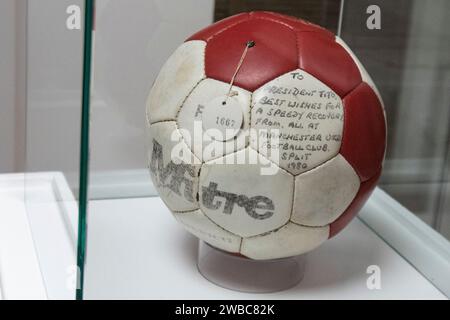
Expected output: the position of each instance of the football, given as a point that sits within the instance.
(266, 135)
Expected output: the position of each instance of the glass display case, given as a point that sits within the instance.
(404, 48)
(41, 85)
(75, 185)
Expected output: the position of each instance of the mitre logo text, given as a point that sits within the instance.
(174, 175)
(231, 199)
(179, 178)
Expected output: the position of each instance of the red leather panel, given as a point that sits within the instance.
(219, 26)
(274, 53)
(328, 62)
(365, 190)
(283, 44)
(294, 23)
(364, 136)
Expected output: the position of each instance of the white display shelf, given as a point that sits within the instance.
(38, 223)
(138, 251)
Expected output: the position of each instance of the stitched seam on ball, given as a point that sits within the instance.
(352, 55)
(273, 162)
(147, 117)
(298, 20)
(379, 168)
(206, 215)
(292, 202)
(204, 61)
(181, 136)
(196, 158)
(182, 139)
(160, 121)
(201, 211)
(213, 159)
(240, 246)
(197, 196)
(279, 76)
(187, 96)
(312, 227)
(353, 200)
(275, 21)
(294, 28)
(317, 79)
(187, 146)
(178, 126)
(314, 31)
(297, 47)
(234, 234)
(250, 110)
(269, 232)
(203, 77)
(283, 226)
(332, 156)
(319, 165)
(356, 61)
(185, 211)
(227, 28)
(344, 127)
(351, 90)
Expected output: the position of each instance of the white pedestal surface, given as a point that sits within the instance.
(138, 251)
(38, 232)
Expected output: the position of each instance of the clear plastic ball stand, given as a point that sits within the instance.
(246, 275)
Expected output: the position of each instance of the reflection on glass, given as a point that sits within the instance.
(137, 51)
(409, 61)
(38, 229)
(54, 66)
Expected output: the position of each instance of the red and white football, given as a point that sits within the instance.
(306, 135)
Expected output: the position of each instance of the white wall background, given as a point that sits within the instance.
(7, 85)
(133, 40)
(53, 89)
